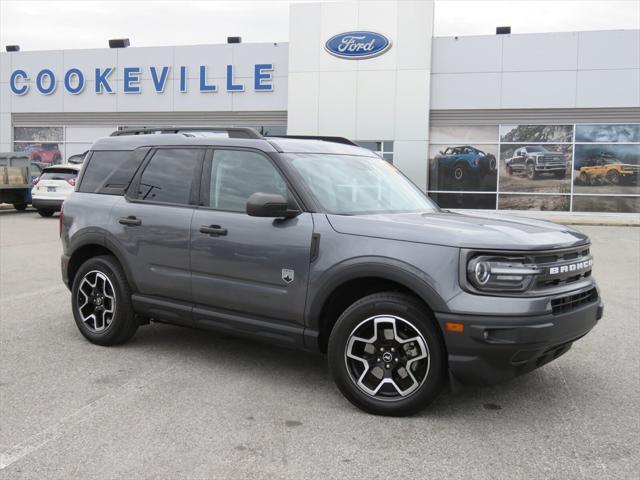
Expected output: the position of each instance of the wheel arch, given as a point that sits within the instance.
(347, 284)
(93, 245)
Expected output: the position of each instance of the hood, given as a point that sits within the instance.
(548, 154)
(461, 230)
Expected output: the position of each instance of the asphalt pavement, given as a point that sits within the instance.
(178, 403)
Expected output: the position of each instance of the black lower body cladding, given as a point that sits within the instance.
(490, 350)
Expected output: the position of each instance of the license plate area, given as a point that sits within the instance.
(51, 189)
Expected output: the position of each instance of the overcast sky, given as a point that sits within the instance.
(51, 24)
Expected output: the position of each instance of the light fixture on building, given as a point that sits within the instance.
(119, 43)
(503, 30)
(234, 39)
(13, 48)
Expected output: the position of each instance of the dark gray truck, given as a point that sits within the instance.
(322, 245)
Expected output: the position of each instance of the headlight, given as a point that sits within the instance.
(499, 274)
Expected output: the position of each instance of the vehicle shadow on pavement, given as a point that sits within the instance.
(292, 370)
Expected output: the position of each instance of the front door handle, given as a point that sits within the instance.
(213, 230)
(130, 221)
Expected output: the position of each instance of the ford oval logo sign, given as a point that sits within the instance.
(357, 45)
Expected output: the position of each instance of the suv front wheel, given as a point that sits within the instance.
(386, 354)
(101, 302)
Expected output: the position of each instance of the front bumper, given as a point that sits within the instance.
(551, 167)
(47, 203)
(494, 349)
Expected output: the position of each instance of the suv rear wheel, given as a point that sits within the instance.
(386, 355)
(101, 302)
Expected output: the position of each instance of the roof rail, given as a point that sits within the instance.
(342, 140)
(233, 132)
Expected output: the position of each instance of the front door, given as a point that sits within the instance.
(248, 266)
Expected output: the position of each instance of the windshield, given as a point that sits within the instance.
(349, 185)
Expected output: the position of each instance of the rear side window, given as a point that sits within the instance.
(59, 174)
(170, 176)
(110, 172)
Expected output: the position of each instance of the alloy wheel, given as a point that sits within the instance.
(387, 357)
(96, 301)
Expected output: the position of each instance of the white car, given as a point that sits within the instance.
(53, 186)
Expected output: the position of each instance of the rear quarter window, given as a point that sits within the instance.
(110, 172)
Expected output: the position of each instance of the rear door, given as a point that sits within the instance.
(153, 221)
(254, 267)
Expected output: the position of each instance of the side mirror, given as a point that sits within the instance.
(270, 205)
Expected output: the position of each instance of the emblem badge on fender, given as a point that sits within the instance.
(287, 275)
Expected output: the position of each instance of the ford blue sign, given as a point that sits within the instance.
(357, 45)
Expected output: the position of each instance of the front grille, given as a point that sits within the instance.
(570, 302)
(551, 259)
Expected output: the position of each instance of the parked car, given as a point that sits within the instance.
(17, 176)
(606, 168)
(48, 153)
(52, 187)
(535, 161)
(464, 162)
(319, 245)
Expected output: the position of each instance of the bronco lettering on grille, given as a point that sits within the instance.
(571, 267)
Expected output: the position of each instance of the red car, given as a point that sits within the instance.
(44, 153)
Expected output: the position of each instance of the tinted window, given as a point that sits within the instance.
(236, 175)
(100, 167)
(58, 174)
(169, 176)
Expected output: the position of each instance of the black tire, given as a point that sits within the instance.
(45, 212)
(123, 323)
(583, 178)
(613, 177)
(460, 173)
(20, 206)
(413, 314)
(531, 171)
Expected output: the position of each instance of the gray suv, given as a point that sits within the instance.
(318, 244)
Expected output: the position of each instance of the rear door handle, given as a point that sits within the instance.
(131, 221)
(213, 230)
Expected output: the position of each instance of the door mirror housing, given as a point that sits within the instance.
(271, 205)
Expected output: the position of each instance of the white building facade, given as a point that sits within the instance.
(464, 117)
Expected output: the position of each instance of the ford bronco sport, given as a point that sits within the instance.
(322, 245)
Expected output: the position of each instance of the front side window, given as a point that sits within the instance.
(349, 185)
(170, 176)
(238, 174)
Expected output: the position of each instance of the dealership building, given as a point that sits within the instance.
(544, 121)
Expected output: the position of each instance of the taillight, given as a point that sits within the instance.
(36, 180)
(72, 181)
(61, 219)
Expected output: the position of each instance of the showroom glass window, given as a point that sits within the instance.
(384, 148)
(563, 167)
(56, 144)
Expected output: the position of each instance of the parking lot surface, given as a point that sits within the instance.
(179, 403)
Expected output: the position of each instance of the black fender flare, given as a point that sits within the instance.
(386, 268)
